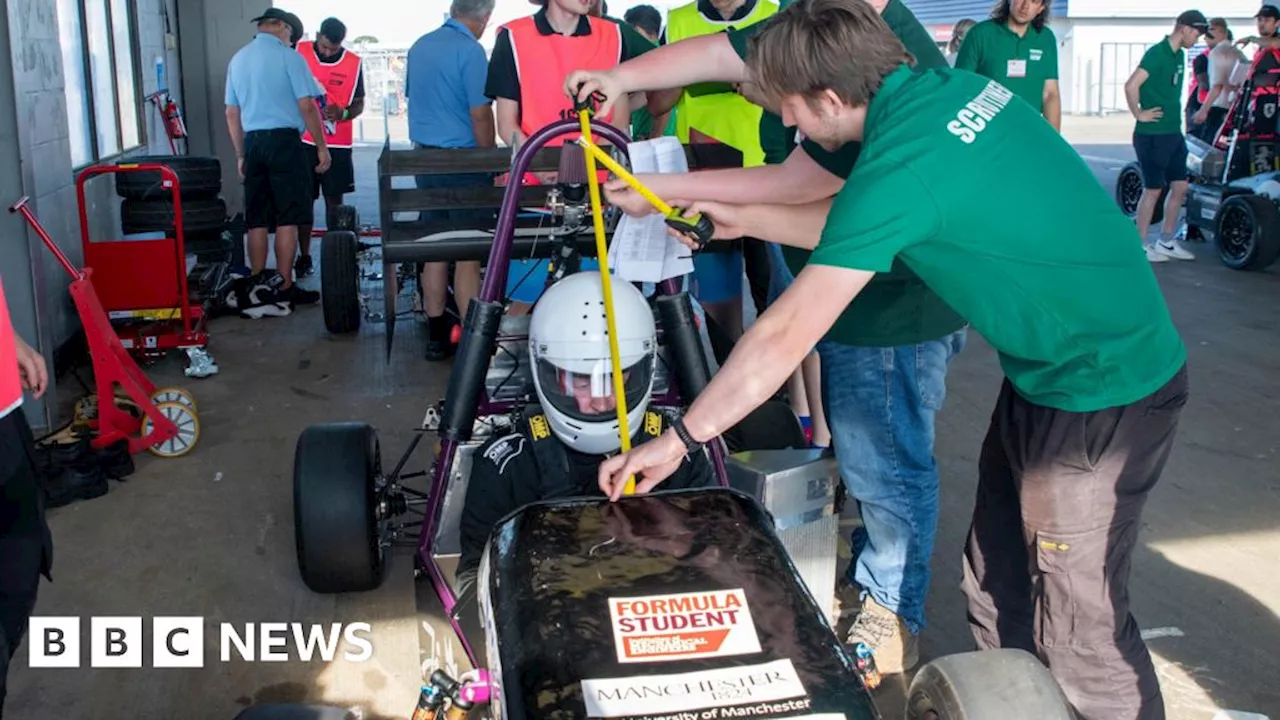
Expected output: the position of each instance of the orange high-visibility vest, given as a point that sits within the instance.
(10, 380)
(543, 61)
(339, 80)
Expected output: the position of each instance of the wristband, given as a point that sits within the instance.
(682, 432)
(346, 114)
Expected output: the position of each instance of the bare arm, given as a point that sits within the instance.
(482, 125)
(356, 108)
(662, 101)
(509, 121)
(1052, 101)
(1132, 87)
(796, 181)
(236, 128)
(311, 116)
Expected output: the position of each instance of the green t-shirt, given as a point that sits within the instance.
(1022, 63)
(1062, 290)
(1163, 88)
(895, 308)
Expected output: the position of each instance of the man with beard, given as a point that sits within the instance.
(341, 78)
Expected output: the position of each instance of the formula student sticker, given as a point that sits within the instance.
(662, 628)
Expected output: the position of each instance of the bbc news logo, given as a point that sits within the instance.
(179, 642)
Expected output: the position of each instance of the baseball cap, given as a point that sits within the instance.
(1268, 11)
(1195, 19)
(272, 13)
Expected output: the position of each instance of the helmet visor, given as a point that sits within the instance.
(589, 396)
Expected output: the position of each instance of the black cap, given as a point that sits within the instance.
(272, 14)
(1195, 19)
(1268, 11)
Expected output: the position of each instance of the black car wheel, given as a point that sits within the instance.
(987, 685)
(343, 217)
(1248, 233)
(340, 281)
(337, 528)
(1129, 190)
(199, 178)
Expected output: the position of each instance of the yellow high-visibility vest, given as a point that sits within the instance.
(714, 109)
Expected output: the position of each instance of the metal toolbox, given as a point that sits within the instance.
(798, 488)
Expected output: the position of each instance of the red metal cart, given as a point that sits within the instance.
(144, 282)
(168, 426)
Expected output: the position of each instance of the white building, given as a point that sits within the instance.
(1100, 42)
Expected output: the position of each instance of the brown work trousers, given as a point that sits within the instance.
(1046, 567)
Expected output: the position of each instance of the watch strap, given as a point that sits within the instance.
(682, 432)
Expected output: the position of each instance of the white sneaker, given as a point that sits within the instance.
(1173, 249)
(1155, 257)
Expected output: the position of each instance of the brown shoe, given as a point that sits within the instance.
(894, 648)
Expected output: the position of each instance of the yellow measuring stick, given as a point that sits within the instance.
(606, 282)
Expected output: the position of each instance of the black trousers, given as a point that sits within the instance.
(1046, 567)
(25, 547)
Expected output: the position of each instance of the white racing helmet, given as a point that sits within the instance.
(572, 369)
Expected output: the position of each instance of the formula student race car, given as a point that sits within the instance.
(1233, 200)
(680, 604)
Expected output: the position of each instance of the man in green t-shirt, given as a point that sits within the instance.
(883, 363)
(1154, 93)
(1088, 411)
(1017, 50)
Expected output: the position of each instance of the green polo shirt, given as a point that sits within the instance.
(895, 308)
(1022, 63)
(1163, 88)
(1062, 290)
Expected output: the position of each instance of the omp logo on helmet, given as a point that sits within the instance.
(652, 424)
(539, 427)
(974, 117)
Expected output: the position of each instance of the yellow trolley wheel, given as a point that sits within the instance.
(175, 394)
(188, 430)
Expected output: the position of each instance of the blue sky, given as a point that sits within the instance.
(400, 22)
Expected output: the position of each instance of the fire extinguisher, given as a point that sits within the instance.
(173, 119)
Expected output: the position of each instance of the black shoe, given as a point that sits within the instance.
(81, 481)
(303, 267)
(62, 449)
(115, 460)
(299, 296)
(437, 350)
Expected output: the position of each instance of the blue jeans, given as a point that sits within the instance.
(881, 404)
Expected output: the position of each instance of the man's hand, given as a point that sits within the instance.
(728, 219)
(325, 159)
(333, 113)
(240, 167)
(581, 84)
(1201, 116)
(547, 177)
(1150, 115)
(1247, 41)
(650, 463)
(622, 196)
(35, 377)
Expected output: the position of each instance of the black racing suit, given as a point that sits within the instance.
(532, 464)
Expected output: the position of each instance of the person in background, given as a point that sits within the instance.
(530, 59)
(1154, 93)
(646, 20)
(341, 76)
(1267, 20)
(270, 99)
(957, 39)
(1016, 49)
(444, 83)
(718, 113)
(26, 545)
(1224, 58)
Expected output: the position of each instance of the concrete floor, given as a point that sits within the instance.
(212, 535)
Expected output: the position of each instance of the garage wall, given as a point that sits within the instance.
(210, 34)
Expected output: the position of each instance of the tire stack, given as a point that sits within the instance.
(148, 205)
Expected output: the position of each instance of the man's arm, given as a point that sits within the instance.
(1200, 68)
(356, 108)
(482, 125)
(1132, 90)
(236, 129)
(1052, 101)
(311, 117)
(509, 122)
(796, 181)
(490, 494)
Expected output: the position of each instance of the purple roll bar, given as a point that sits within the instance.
(492, 291)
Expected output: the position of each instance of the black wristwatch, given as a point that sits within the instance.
(690, 445)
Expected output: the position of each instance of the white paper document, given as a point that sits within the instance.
(642, 251)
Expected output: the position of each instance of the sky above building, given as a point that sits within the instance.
(397, 23)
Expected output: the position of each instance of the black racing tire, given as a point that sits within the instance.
(987, 685)
(198, 216)
(336, 527)
(1248, 232)
(198, 178)
(343, 217)
(340, 281)
(1129, 190)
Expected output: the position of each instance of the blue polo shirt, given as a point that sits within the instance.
(444, 80)
(266, 79)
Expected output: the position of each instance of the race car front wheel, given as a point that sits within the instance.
(1248, 233)
(987, 685)
(336, 470)
(1129, 189)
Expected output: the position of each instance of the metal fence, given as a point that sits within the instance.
(1117, 63)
